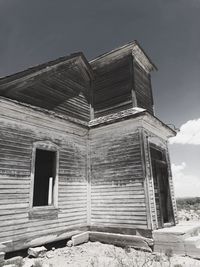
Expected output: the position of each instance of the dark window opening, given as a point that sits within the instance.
(44, 178)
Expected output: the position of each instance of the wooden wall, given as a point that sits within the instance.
(118, 80)
(117, 189)
(64, 90)
(112, 85)
(20, 127)
(142, 87)
(119, 83)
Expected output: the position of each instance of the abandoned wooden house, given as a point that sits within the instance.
(81, 149)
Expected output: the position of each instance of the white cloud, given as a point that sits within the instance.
(185, 184)
(189, 133)
(177, 169)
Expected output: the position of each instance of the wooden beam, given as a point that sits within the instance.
(91, 95)
(146, 180)
(151, 179)
(134, 241)
(133, 92)
(88, 178)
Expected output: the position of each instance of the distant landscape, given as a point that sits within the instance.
(188, 208)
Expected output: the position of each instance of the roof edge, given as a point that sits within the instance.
(130, 44)
(33, 71)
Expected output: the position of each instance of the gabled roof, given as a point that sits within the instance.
(45, 67)
(57, 85)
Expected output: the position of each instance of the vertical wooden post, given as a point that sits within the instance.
(50, 195)
(88, 177)
(151, 91)
(132, 73)
(151, 181)
(91, 100)
(32, 177)
(146, 180)
(171, 187)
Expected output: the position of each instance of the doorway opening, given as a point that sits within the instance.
(44, 177)
(161, 187)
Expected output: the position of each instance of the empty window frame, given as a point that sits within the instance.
(44, 177)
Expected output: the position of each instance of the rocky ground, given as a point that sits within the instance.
(95, 254)
(188, 215)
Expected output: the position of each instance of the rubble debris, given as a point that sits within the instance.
(37, 252)
(69, 243)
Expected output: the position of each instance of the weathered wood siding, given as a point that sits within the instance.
(142, 86)
(20, 127)
(117, 189)
(112, 85)
(63, 90)
(118, 81)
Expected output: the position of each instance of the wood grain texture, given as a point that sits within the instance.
(112, 86)
(17, 221)
(64, 90)
(116, 84)
(117, 189)
(156, 211)
(104, 170)
(143, 90)
(171, 186)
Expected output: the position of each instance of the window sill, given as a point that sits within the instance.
(43, 213)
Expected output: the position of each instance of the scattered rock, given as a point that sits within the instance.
(37, 252)
(69, 243)
(50, 255)
(80, 238)
(53, 248)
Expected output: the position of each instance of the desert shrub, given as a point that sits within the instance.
(188, 203)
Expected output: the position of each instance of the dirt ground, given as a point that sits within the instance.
(93, 254)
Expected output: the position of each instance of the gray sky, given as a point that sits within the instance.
(32, 32)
